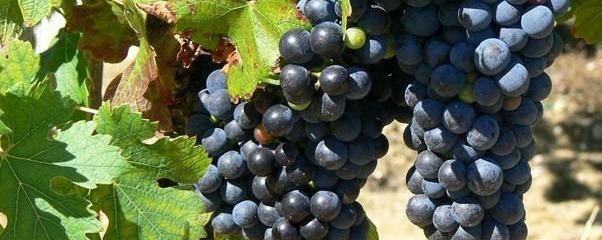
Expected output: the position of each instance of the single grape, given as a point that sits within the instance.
(231, 165)
(355, 38)
(267, 215)
(437, 52)
(486, 92)
(484, 177)
(325, 205)
(420, 210)
(484, 133)
(443, 219)
(295, 206)
(452, 175)
(514, 80)
(314, 230)
(218, 104)
(216, 80)
(326, 40)
(375, 21)
(260, 190)
(278, 120)
(462, 56)
(409, 50)
(428, 113)
(261, 162)
(360, 83)
(492, 56)
(518, 174)
(234, 191)
(294, 45)
(467, 212)
(318, 11)
(224, 223)
(506, 14)
(334, 80)
(448, 14)
(432, 189)
(458, 117)
(244, 214)
(210, 181)
(296, 84)
(538, 21)
(509, 210)
(283, 229)
(514, 36)
(475, 15)
(214, 141)
(440, 140)
(422, 22)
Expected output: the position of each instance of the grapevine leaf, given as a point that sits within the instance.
(106, 32)
(139, 209)
(145, 85)
(11, 22)
(177, 159)
(19, 69)
(33, 209)
(69, 67)
(587, 16)
(253, 26)
(136, 206)
(34, 10)
(372, 233)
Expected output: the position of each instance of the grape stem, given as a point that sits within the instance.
(87, 110)
(315, 74)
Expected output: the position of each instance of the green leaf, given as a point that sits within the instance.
(69, 66)
(588, 16)
(30, 160)
(177, 159)
(136, 206)
(372, 233)
(11, 22)
(253, 26)
(18, 71)
(34, 10)
(106, 32)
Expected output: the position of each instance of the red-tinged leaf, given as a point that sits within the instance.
(106, 33)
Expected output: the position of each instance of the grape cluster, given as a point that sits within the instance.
(290, 162)
(479, 79)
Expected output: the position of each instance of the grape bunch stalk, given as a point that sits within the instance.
(479, 82)
(289, 163)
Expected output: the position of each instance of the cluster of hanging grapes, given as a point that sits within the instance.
(468, 76)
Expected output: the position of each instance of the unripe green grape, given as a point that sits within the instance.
(355, 38)
(299, 107)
